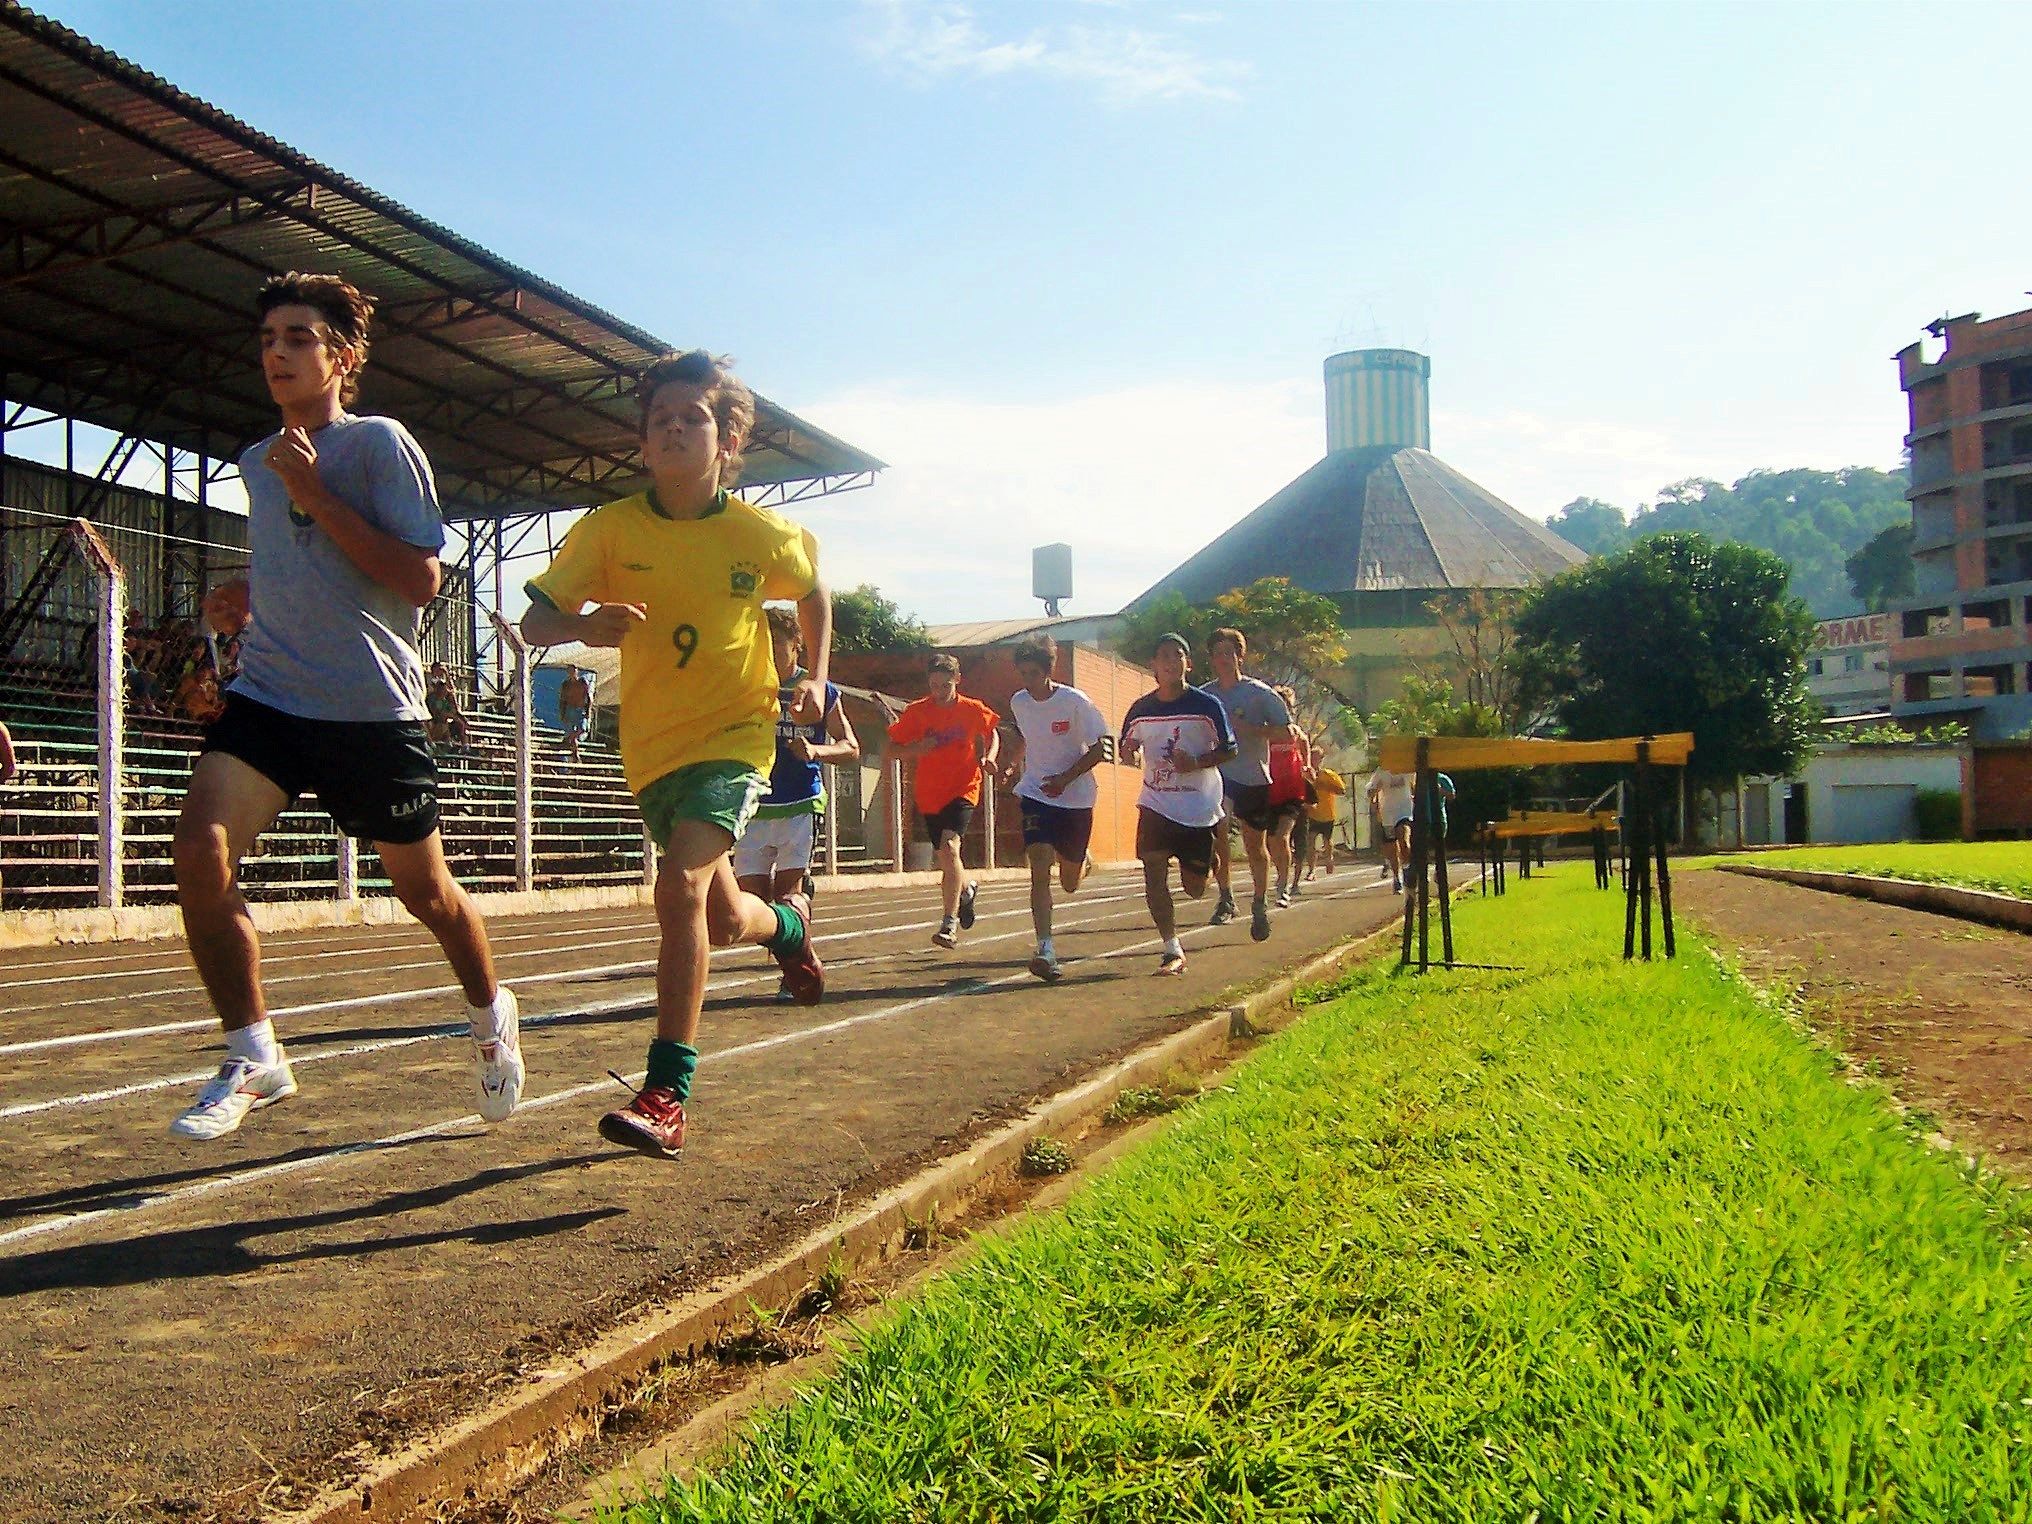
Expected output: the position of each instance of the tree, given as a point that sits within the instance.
(1427, 707)
(1589, 524)
(1295, 638)
(1882, 569)
(1676, 633)
(864, 620)
(1481, 625)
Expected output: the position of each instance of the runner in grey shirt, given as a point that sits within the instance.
(343, 534)
(1257, 716)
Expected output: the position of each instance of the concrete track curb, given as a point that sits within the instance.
(483, 1457)
(143, 923)
(2005, 910)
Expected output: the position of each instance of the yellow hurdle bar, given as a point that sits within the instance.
(1553, 822)
(1460, 754)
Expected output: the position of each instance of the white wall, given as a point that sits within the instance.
(1854, 793)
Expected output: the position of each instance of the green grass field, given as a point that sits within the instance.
(1591, 1241)
(2003, 866)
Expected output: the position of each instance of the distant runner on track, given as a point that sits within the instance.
(774, 855)
(677, 576)
(955, 741)
(1061, 738)
(343, 537)
(1258, 717)
(1182, 737)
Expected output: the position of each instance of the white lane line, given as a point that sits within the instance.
(167, 1081)
(639, 932)
(437, 991)
(558, 1097)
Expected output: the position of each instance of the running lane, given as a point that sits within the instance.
(197, 1326)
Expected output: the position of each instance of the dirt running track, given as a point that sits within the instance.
(193, 1331)
(1940, 1007)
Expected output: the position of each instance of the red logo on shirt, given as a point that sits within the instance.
(1060, 727)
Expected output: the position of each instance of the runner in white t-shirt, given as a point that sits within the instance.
(1061, 737)
(1390, 798)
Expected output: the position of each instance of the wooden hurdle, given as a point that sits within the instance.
(1638, 836)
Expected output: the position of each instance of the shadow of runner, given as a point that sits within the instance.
(222, 1248)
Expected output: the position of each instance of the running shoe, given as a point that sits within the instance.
(803, 974)
(240, 1086)
(1045, 966)
(1259, 922)
(1224, 912)
(1284, 898)
(1384, 871)
(946, 935)
(1396, 886)
(1170, 963)
(652, 1123)
(498, 1071)
(967, 907)
(783, 995)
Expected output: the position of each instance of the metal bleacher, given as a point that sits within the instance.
(586, 828)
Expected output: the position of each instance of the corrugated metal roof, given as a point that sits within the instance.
(138, 221)
(1376, 520)
(990, 632)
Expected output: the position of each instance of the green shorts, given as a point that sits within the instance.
(721, 793)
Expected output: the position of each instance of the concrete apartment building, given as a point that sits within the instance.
(1960, 646)
(1849, 672)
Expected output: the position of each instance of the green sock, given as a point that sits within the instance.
(789, 938)
(671, 1064)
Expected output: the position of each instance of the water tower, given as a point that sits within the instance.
(1051, 576)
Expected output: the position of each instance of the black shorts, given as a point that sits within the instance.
(374, 778)
(1322, 830)
(1058, 826)
(955, 817)
(1161, 836)
(1250, 804)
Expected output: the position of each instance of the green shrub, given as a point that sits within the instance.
(1939, 812)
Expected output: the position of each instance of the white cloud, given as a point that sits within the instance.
(1134, 480)
(1125, 64)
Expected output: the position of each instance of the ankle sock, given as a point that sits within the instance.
(1045, 949)
(256, 1044)
(789, 938)
(485, 1020)
(1172, 948)
(671, 1064)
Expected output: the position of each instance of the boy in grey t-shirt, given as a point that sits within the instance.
(343, 534)
(1258, 716)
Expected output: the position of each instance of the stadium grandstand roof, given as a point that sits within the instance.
(136, 221)
(1377, 519)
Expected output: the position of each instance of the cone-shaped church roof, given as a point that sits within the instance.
(1371, 520)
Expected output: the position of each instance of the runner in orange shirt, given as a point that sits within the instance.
(954, 740)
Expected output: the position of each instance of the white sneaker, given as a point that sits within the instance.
(240, 1086)
(498, 1071)
(1045, 966)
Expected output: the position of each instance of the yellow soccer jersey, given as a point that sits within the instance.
(698, 676)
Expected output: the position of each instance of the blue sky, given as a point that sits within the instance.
(1072, 267)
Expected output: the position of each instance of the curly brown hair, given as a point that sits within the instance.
(727, 395)
(1036, 651)
(783, 623)
(346, 309)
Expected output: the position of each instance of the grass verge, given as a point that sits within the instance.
(2004, 867)
(1590, 1241)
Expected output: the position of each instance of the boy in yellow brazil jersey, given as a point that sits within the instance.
(676, 578)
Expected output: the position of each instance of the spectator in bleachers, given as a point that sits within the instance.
(447, 719)
(574, 705)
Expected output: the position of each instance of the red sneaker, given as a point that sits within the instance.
(803, 974)
(652, 1123)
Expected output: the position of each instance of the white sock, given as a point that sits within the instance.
(1172, 949)
(1044, 949)
(256, 1044)
(485, 1020)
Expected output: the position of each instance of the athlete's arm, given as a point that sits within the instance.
(605, 624)
(1091, 758)
(988, 747)
(1011, 772)
(844, 746)
(394, 563)
(815, 623)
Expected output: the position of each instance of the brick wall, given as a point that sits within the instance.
(1997, 790)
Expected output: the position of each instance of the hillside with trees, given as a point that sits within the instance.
(1816, 521)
